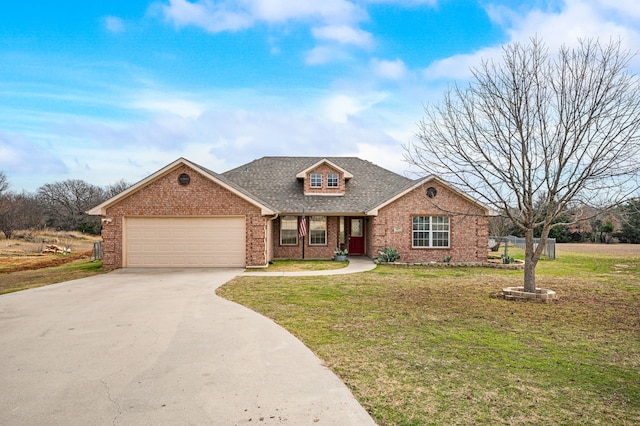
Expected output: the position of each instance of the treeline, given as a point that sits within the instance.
(619, 225)
(59, 205)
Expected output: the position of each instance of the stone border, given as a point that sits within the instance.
(510, 266)
(541, 295)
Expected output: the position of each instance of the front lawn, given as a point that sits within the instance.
(66, 269)
(301, 265)
(424, 345)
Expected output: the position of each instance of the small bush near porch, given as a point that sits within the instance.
(421, 346)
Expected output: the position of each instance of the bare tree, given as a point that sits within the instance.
(4, 183)
(65, 204)
(534, 133)
(17, 211)
(115, 188)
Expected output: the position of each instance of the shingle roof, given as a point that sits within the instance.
(272, 180)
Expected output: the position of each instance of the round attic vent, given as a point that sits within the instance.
(431, 192)
(184, 179)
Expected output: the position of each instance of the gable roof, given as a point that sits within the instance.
(273, 184)
(275, 180)
(345, 173)
(416, 184)
(215, 177)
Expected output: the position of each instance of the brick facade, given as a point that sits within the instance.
(468, 237)
(166, 197)
(310, 251)
(161, 195)
(324, 169)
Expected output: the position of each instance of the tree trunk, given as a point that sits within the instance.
(530, 262)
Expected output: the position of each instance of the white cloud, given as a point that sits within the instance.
(629, 8)
(392, 70)
(114, 24)
(20, 155)
(241, 127)
(167, 104)
(334, 23)
(211, 16)
(458, 67)
(231, 15)
(339, 108)
(284, 10)
(576, 19)
(388, 156)
(405, 2)
(321, 55)
(343, 34)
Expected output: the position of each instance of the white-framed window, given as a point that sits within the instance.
(430, 231)
(289, 231)
(332, 180)
(318, 230)
(316, 180)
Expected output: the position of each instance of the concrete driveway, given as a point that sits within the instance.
(157, 347)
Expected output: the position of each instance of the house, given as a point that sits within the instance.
(185, 215)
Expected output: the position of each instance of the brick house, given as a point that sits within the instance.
(185, 215)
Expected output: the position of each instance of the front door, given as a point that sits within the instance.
(356, 236)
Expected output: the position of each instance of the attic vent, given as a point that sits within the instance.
(184, 179)
(431, 192)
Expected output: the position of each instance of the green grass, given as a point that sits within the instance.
(421, 346)
(22, 280)
(301, 265)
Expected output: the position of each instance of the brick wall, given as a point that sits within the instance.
(468, 236)
(324, 169)
(166, 197)
(310, 252)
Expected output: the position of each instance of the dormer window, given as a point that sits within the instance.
(324, 178)
(332, 180)
(316, 180)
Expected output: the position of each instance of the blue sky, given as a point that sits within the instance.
(110, 90)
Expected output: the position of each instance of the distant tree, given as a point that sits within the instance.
(18, 211)
(630, 217)
(561, 130)
(6, 201)
(606, 230)
(65, 204)
(4, 183)
(115, 188)
(501, 226)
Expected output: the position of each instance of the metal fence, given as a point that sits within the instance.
(97, 250)
(549, 247)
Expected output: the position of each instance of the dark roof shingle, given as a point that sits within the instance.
(273, 181)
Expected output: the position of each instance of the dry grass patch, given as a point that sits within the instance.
(81, 267)
(422, 346)
(24, 265)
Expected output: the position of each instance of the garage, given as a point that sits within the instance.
(184, 242)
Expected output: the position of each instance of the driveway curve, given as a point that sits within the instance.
(157, 347)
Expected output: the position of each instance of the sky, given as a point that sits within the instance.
(109, 90)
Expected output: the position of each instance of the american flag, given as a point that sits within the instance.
(303, 226)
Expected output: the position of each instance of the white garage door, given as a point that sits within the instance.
(185, 242)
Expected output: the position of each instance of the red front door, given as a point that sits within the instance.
(356, 236)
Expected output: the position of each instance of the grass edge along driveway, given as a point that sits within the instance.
(427, 345)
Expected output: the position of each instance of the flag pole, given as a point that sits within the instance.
(303, 231)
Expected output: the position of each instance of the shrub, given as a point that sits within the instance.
(507, 259)
(389, 254)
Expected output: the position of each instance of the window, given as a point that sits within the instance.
(318, 230)
(430, 231)
(332, 180)
(289, 231)
(316, 180)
